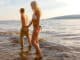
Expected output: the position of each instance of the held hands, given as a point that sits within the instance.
(28, 26)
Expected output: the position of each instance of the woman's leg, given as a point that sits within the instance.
(35, 43)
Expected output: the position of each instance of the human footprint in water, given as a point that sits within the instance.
(36, 27)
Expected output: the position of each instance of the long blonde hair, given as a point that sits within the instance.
(35, 4)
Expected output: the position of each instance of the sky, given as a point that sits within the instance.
(9, 9)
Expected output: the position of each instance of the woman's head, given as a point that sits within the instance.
(34, 5)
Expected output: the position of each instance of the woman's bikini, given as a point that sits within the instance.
(35, 18)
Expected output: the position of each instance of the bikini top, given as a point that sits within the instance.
(34, 17)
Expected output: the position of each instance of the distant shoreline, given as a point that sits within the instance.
(66, 17)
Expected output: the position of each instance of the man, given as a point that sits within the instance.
(24, 29)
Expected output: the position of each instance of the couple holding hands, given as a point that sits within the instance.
(35, 22)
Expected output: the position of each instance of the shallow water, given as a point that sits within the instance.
(65, 32)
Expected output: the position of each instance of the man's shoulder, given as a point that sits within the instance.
(23, 16)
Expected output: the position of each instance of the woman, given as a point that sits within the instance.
(36, 27)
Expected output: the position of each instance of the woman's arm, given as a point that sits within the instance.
(30, 24)
(38, 17)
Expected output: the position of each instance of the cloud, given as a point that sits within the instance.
(4, 2)
(9, 9)
(49, 8)
(51, 4)
(12, 7)
(12, 3)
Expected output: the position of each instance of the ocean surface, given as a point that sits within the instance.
(65, 32)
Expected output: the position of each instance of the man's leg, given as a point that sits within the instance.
(22, 41)
(29, 41)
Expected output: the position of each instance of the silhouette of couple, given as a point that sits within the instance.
(35, 22)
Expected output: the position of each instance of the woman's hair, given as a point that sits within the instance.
(36, 6)
(34, 3)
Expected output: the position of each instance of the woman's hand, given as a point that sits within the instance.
(27, 26)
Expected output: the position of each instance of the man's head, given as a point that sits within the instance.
(22, 10)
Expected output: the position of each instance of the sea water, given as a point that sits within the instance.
(65, 31)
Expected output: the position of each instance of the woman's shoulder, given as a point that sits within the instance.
(38, 12)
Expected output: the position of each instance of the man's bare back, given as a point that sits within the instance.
(24, 20)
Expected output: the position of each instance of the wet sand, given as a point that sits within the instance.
(10, 49)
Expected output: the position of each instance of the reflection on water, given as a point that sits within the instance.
(23, 56)
(27, 56)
